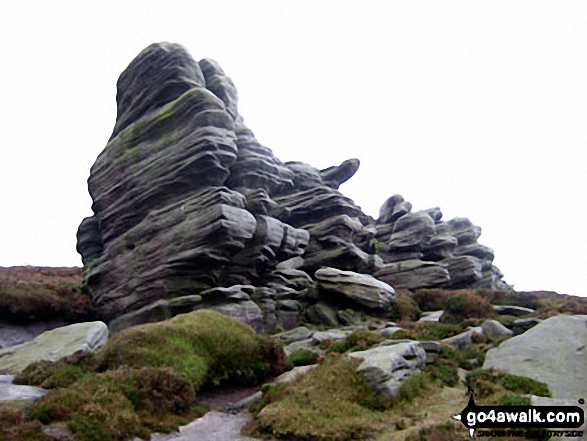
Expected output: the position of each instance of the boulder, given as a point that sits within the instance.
(412, 231)
(432, 348)
(292, 375)
(53, 345)
(494, 329)
(460, 228)
(463, 339)
(322, 314)
(295, 334)
(332, 334)
(307, 344)
(439, 247)
(464, 271)
(359, 289)
(9, 391)
(431, 316)
(517, 311)
(392, 209)
(553, 352)
(522, 325)
(413, 274)
(389, 331)
(385, 367)
(335, 176)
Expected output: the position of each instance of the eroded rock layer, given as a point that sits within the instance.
(192, 211)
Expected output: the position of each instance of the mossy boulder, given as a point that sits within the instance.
(206, 346)
(147, 377)
(53, 345)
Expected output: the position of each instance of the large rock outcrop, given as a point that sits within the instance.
(422, 251)
(553, 352)
(186, 200)
(191, 211)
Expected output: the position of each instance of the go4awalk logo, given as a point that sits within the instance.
(521, 418)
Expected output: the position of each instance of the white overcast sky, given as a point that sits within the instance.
(478, 107)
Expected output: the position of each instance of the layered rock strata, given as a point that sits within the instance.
(186, 200)
(192, 211)
(421, 251)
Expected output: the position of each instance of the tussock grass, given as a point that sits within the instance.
(487, 382)
(359, 340)
(329, 403)
(146, 378)
(332, 402)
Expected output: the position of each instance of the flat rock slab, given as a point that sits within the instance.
(9, 391)
(361, 289)
(53, 345)
(385, 367)
(432, 316)
(214, 426)
(553, 352)
(517, 311)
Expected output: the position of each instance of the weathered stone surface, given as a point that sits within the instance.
(186, 199)
(220, 85)
(461, 228)
(247, 312)
(256, 166)
(349, 317)
(464, 271)
(289, 313)
(333, 224)
(385, 367)
(439, 247)
(522, 325)
(405, 236)
(411, 231)
(463, 339)
(389, 331)
(322, 314)
(214, 426)
(235, 301)
(432, 348)
(392, 209)
(494, 329)
(53, 345)
(290, 376)
(167, 220)
(9, 391)
(295, 334)
(336, 175)
(156, 312)
(517, 311)
(553, 352)
(431, 316)
(307, 345)
(361, 289)
(413, 274)
(332, 334)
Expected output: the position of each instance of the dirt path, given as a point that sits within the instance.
(214, 426)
